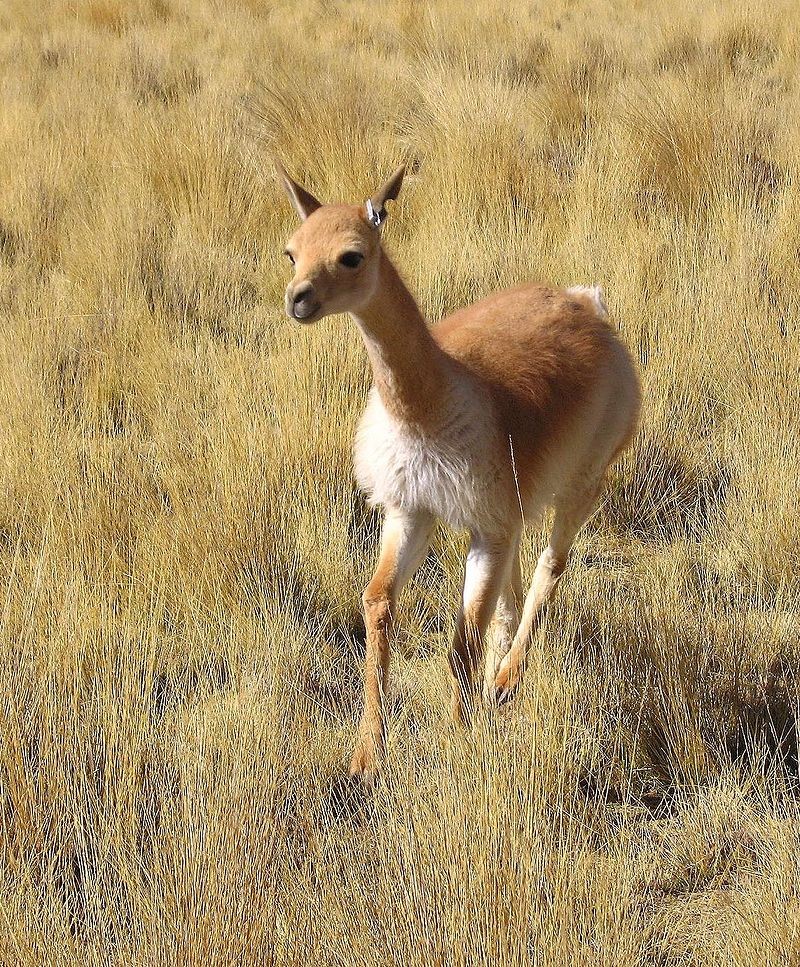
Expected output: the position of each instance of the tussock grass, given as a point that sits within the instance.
(182, 548)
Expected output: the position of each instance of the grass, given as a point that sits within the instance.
(182, 549)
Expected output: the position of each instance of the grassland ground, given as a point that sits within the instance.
(182, 548)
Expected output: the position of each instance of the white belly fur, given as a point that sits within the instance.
(461, 473)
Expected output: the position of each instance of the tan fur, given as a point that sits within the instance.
(539, 350)
(518, 401)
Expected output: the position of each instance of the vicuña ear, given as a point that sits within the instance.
(389, 192)
(303, 201)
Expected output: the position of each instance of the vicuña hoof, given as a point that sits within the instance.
(507, 682)
(364, 763)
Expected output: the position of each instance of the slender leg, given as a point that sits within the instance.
(572, 509)
(504, 626)
(488, 570)
(404, 541)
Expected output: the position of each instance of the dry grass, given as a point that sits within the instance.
(182, 549)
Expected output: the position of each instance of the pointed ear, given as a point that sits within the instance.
(389, 192)
(302, 201)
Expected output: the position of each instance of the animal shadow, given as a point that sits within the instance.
(347, 800)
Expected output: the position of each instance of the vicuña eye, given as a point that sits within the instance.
(289, 256)
(351, 259)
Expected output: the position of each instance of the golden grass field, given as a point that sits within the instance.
(182, 548)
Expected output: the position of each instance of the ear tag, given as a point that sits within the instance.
(374, 218)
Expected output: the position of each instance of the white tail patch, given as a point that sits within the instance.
(595, 294)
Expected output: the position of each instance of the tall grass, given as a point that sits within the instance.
(182, 547)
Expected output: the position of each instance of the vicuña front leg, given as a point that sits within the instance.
(488, 569)
(403, 543)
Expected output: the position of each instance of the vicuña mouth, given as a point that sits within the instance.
(304, 313)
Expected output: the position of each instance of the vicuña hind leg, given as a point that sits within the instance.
(573, 507)
(504, 626)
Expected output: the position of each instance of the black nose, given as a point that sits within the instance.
(303, 299)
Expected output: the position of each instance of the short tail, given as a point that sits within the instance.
(594, 294)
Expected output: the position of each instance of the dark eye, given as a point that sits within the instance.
(351, 259)
(289, 256)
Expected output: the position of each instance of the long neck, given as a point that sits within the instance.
(407, 363)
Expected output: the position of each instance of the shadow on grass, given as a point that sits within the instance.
(170, 689)
(347, 800)
(763, 734)
(665, 498)
(653, 801)
(687, 708)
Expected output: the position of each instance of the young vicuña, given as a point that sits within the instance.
(517, 402)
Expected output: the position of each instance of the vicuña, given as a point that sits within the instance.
(516, 403)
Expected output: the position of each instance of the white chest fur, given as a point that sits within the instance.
(460, 472)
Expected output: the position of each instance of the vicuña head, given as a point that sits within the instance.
(517, 402)
(335, 252)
